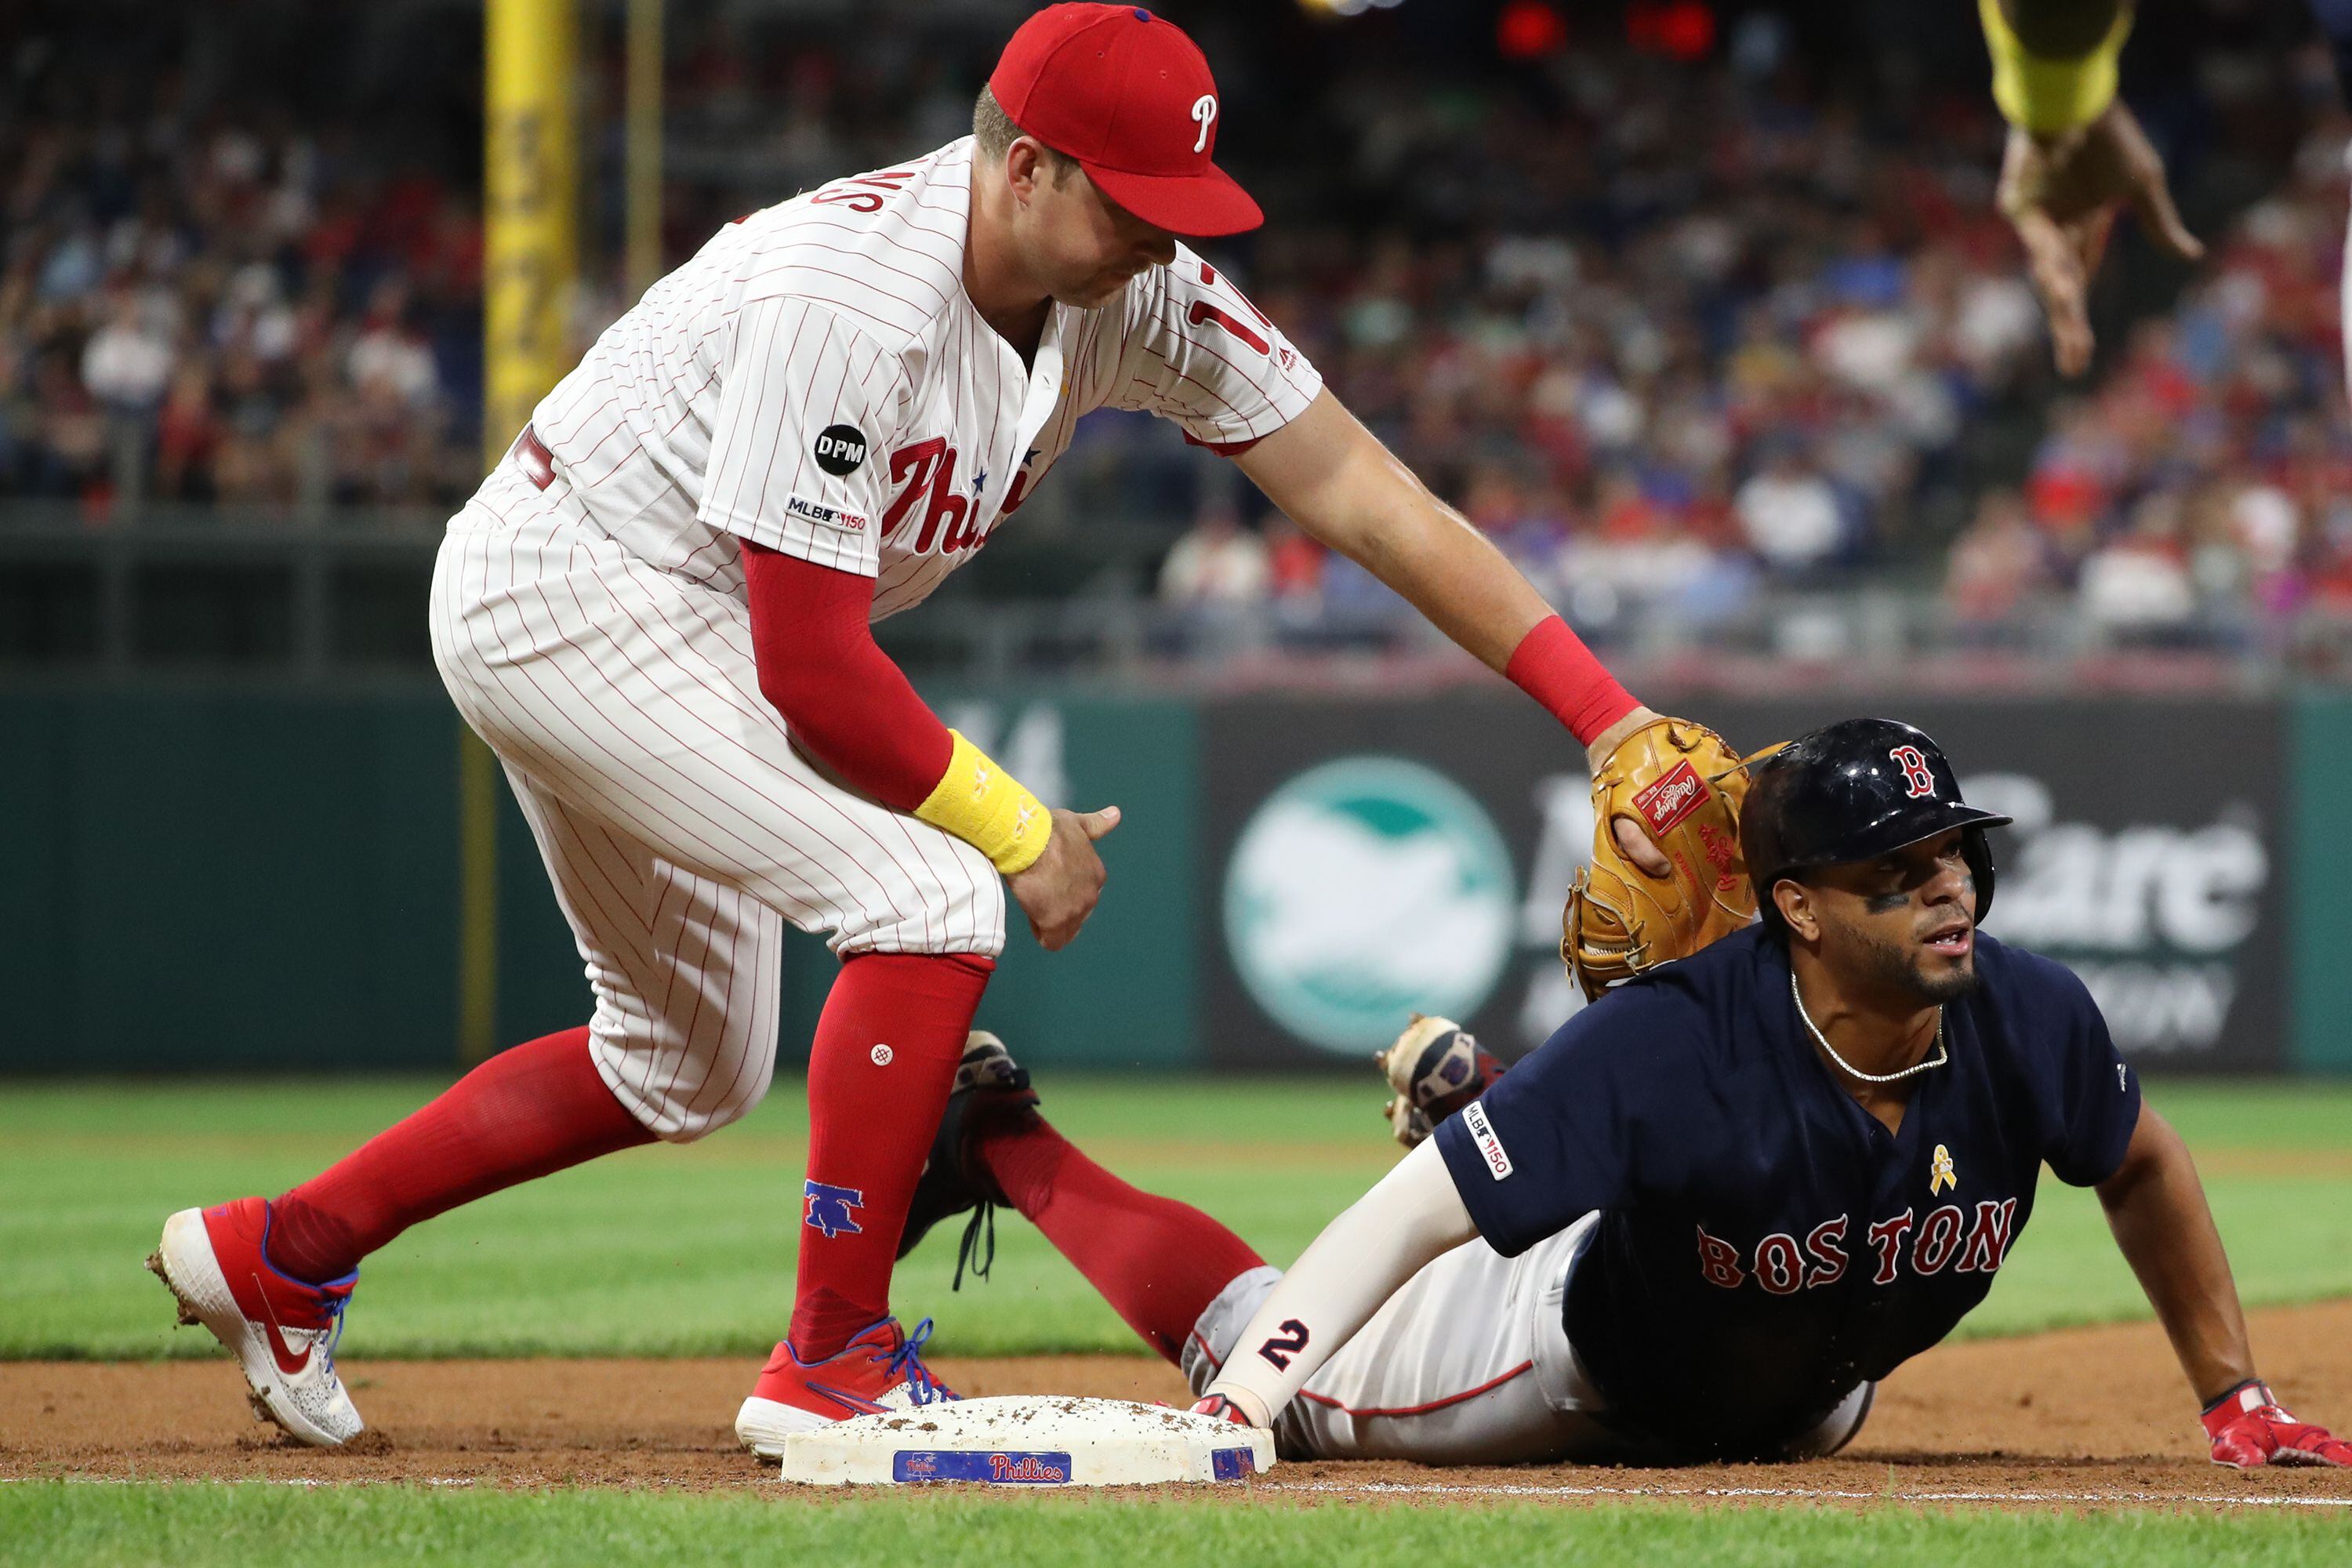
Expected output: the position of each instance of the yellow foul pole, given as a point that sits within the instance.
(531, 179)
(530, 256)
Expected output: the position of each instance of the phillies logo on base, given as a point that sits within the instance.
(833, 1210)
(999, 1467)
(1670, 799)
(1231, 1464)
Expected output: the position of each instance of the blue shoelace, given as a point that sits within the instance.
(334, 1339)
(907, 1362)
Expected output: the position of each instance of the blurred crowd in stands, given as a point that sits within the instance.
(1717, 331)
(198, 306)
(1670, 334)
(2203, 483)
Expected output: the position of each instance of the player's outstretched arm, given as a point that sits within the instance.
(1362, 1258)
(1334, 478)
(2156, 1206)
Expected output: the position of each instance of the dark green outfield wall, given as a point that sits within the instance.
(228, 880)
(220, 881)
(2319, 803)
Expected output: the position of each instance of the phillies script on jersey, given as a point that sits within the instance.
(816, 380)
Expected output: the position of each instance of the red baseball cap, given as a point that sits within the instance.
(1130, 97)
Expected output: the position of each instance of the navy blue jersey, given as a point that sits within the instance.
(1765, 1243)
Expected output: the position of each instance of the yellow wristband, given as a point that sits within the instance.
(2046, 96)
(987, 807)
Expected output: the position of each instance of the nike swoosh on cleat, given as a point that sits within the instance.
(290, 1365)
(849, 1401)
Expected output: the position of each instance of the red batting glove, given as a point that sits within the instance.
(1217, 1407)
(2248, 1428)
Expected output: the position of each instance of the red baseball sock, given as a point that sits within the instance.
(879, 1073)
(1157, 1262)
(523, 1113)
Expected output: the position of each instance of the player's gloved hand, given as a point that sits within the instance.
(2248, 1428)
(1436, 1067)
(1218, 1407)
(1059, 890)
(1677, 785)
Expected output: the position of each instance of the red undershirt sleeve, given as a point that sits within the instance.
(847, 702)
(1552, 665)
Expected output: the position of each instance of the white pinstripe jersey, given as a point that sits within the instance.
(815, 379)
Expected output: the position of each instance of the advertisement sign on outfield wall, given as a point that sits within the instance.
(1351, 864)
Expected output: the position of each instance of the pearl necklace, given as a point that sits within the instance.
(1943, 1054)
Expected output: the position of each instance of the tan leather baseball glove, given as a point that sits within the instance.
(1682, 784)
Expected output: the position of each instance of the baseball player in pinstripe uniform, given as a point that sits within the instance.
(656, 612)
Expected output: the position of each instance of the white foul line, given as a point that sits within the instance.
(1801, 1494)
(1383, 1489)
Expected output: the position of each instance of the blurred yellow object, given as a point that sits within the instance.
(2049, 97)
(530, 182)
(531, 255)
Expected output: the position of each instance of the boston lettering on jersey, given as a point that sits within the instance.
(1764, 1243)
(1781, 1265)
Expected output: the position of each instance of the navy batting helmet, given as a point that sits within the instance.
(1853, 791)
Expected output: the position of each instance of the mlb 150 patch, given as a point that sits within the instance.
(825, 516)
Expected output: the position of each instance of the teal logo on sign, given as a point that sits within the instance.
(1363, 889)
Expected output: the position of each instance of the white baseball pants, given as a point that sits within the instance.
(681, 826)
(1468, 1364)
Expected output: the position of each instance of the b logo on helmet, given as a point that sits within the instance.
(1919, 782)
(1204, 114)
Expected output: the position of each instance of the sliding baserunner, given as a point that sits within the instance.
(1712, 1212)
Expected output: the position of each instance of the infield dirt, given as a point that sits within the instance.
(2083, 1417)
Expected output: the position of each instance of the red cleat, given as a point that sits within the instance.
(881, 1370)
(1217, 1407)
(281, 1329)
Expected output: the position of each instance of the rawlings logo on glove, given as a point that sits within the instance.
(1683, 786)
(2248, 1428)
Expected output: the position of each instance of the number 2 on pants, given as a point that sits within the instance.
(1286, 1344)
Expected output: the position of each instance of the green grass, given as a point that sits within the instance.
(672, 1251)
(192, 1526)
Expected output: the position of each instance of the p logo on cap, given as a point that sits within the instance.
(1130, 97)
